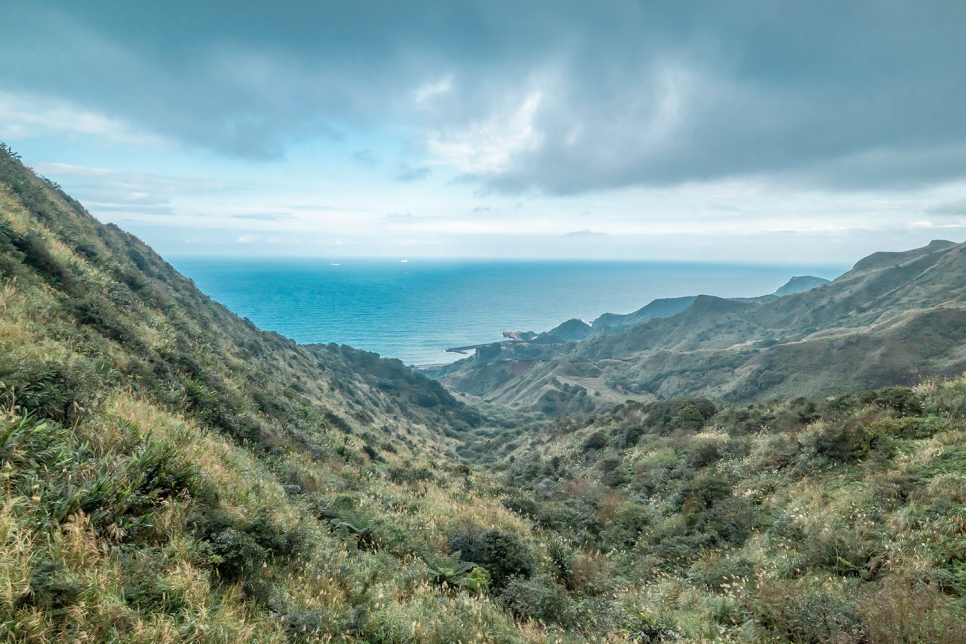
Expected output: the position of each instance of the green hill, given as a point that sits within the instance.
(895, 318)
(170, 473)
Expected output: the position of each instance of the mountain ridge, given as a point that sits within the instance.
(755, 344)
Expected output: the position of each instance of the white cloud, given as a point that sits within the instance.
(489, 146)
(24, 116)
(110, 191)
(431, 90)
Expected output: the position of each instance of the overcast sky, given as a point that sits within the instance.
(791, 132)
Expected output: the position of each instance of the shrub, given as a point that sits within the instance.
(144, 585)
(808, 616)
(410, 475)
(521, 505)
(724, 572)
(904, 611)
(241, 552)
(702, 492)
(732, 518)
(561, 561)
(49, 389)
(647, 629)
(704, 453)
(843, 443)
(688, 417)
(901, 399)
(503, 554)
(597, 440)
(452, 572)
(539, 598)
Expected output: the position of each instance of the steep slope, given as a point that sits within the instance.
(893, 319)
(125, 309)
(169, 473)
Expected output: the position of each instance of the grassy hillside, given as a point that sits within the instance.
(169, 473)
(895, 318)
(799, 521)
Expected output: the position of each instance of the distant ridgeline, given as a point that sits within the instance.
(575, 330)
(895, 318)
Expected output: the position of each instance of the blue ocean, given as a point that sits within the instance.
(415, 310)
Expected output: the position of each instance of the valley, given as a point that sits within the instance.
(784, 470)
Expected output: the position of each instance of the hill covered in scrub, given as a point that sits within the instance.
(895, 318)
(170, 473)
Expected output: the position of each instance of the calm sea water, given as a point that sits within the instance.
(415, 310)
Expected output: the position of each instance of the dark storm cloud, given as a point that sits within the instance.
(833, 94)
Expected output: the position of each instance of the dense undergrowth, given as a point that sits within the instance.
(169, 473)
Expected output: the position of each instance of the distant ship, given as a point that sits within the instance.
(404, 260)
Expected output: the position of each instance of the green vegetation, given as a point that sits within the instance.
(895, 318)
(170, 473)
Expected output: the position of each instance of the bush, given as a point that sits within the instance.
(704, 453)
(647, 628)
(702, 492)
(540, 598)
(808, 616)
(241, 552)
(731, 518)
(49, 389)
(521, 505)
(597, 440)
(503, 554)
(901, 399)
(144, 585)
(410, 475)
(689, 417)
(843, 443)
(902, 611)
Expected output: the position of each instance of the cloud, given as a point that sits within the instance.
(406, 173)
(431, 90)
(584, 233)
(111, 191)
(264, 216)
(957, 207)
(365, 158)
(27, 116)
(134, 182)
(488, 147)
(559, 97)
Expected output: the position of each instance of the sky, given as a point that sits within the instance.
(737, 131)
